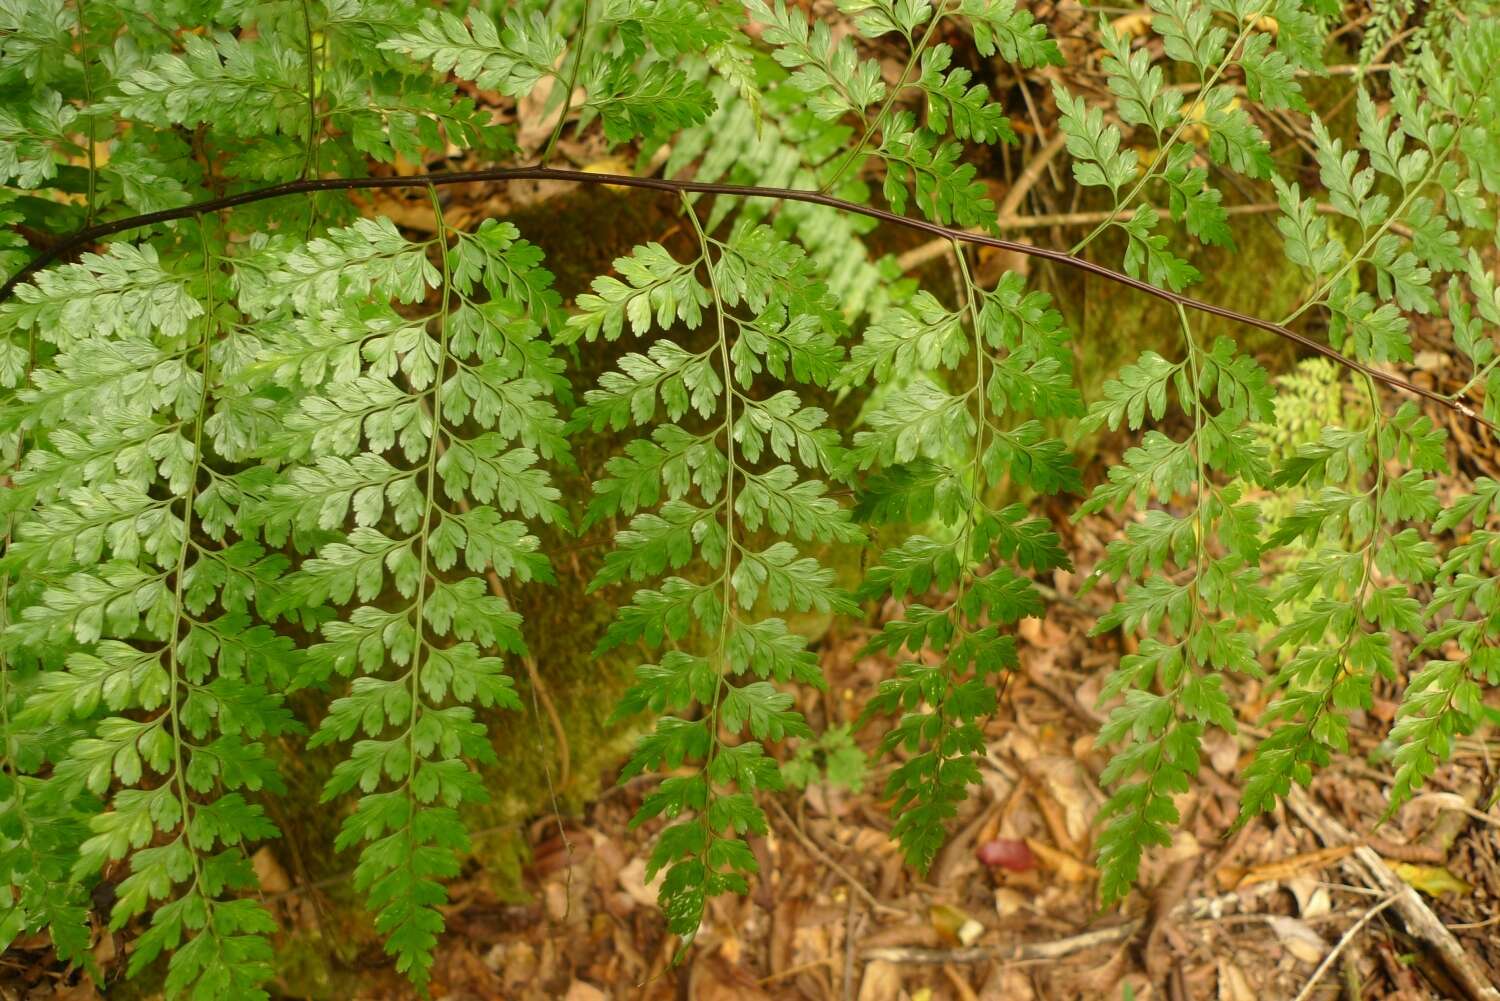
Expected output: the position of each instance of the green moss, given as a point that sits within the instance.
(501, 854)
(581, 232)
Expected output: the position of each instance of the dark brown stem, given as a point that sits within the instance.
(506, 174)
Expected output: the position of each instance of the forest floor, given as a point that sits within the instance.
(1247, 916)
(1287, 907)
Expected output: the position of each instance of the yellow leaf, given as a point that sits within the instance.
(609, 164)
(954, 925)
(1433, 880)
(1135, 25)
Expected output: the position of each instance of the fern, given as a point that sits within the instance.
(460, 395)
(1343, 635)
(147, 602)
(739, 467)
(259, 441)
(958, 447)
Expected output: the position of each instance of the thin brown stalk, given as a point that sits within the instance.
(506, 174)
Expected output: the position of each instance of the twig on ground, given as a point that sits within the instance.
(854, 922)
(965, 992)
(1419, 854)
(1354, 989)
(844, 874)
(1416, 915)
(1032, 173)
(1199, 908)
(1474, 925)
(792, 971)
(1455, 802)
(1177, 984)
(1166, 897)
(1338, 948)
(1014, 952)
(1036, 123)
(1062, 696)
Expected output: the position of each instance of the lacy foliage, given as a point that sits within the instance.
(282, 448)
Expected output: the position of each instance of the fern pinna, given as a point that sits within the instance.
(148, 595)
(409, 460)
(261, 440)
(941, 453)
(719, 489)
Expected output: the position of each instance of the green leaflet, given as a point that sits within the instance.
(832, 75)
(963, 443)
(511, 58)
(1341, 618)
(450, 394)
(759, 449)
(951, 99)
(177, 684)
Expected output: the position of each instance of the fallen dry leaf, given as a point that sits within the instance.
(1312, 896)
(1007, 983)
(1008, 902)
(1223, 752)
(1287, 867)
(1065, 865)
(582, 990)
(632, 880)
(881, 982)
(954, 925)
(715, 980)
(104, 949)
(1233, 984)
(1065, 782)
(268, 872)
(1298, 939)
(1135, 25)
(1103, 980)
